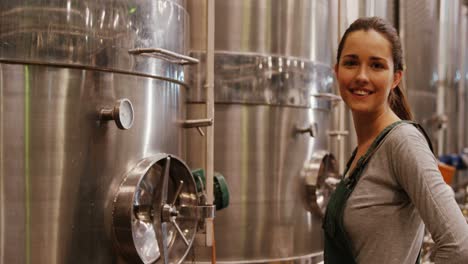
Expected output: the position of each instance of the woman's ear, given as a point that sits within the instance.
(397, 78)
(336, 70)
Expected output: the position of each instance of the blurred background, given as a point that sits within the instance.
(198, 131)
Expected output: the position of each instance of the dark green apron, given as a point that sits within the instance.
(338, 248)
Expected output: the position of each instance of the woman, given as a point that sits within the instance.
(392, 185)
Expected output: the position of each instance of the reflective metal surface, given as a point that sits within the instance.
(273, 73)
(296, 28)
(61, 166)
(156, 201)
(261, 156)
(320, 176)
(352, 9)
(61, 64)
(418, 23)
(94, 33)
(449, 61)
(432, 81)
(260, 79)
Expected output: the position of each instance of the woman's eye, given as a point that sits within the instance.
(349, 63)
(377, 65)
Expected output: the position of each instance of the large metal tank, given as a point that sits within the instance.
(273, 84)
(73, 186)
(433, 81)
(418, 21)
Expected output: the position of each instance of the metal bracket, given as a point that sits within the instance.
(165, 55)
(338, 133)
(311, 129)
(328, 96)
(198, 123)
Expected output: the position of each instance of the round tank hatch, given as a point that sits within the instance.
(155, 211)
(320, 176)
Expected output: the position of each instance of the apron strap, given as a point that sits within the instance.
(362, 162)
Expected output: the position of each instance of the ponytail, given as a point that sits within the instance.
(399, 104)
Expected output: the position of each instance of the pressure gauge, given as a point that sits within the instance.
(122, 113)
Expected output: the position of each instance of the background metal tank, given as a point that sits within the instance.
(61, 63)
(418, 24)
(433, 81)
(272, 79)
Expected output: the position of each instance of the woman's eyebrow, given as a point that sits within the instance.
(352, 56)
(377, 58)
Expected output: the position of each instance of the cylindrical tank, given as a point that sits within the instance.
(433, 81)
(273, 85)
(418, 21)
(448, 73)
(66, 67)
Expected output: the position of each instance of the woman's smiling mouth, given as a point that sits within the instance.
(361, 92)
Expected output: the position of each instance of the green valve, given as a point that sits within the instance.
(221, 191)
(220, 188)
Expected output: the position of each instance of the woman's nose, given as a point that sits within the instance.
(362, 74)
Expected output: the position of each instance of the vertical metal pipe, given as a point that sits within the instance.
(342, 25)
(441, 72)
(336, 142)
(210, 29)
(27, 161)
(461, 84)
(2, 191)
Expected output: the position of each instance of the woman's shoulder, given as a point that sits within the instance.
(406, 133)
(405, 142)
(406, 139)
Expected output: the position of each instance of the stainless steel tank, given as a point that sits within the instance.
(74, 188)
(432, 80)
(273, 84)
(449, 74)
(418, 21)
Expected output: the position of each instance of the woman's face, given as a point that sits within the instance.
(365, 72)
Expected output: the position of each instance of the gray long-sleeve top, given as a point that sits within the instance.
(400, 190)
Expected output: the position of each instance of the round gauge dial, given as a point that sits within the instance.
(125, 114)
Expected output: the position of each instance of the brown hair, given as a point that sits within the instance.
(396, 99)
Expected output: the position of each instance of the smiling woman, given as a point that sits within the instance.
(365, 73)
(377, 63)
(392, 187)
